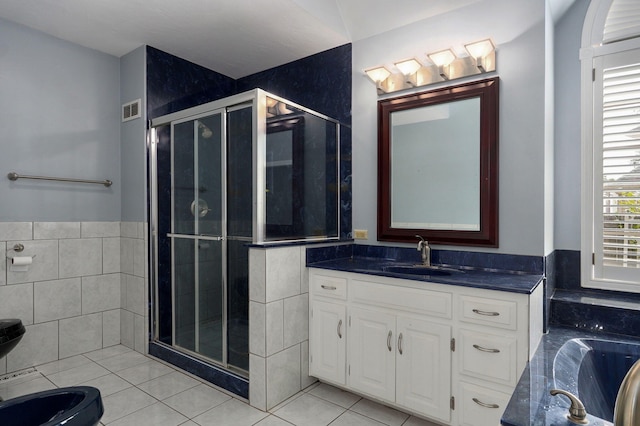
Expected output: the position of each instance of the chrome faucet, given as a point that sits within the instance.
(577, 413)
(627, 408)
(425, 251)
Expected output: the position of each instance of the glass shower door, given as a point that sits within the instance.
(198, 246)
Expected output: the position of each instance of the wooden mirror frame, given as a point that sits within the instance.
(487, 236)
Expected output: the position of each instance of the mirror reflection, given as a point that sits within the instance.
(435, 169)
(438, 165)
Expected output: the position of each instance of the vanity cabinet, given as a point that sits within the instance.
(451, 354)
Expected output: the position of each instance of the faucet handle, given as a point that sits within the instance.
(577, 413)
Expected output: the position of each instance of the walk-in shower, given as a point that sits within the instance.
(252, 169)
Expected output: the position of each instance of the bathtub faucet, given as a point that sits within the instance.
(627, 408)
(577, 413)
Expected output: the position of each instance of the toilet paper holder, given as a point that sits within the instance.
(18, 248)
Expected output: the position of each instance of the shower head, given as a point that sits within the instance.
(205, 132)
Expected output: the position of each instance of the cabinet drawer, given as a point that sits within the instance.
(421, 301)
(487, 356)
(480, 406)
(492, 312)
(327, 286)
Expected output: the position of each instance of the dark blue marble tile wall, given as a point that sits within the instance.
(566, 269)
(174, 84)
(321, 82)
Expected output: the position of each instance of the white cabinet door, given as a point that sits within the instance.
(423, 367)
(372, 352)
(328, 341)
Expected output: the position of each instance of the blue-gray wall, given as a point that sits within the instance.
(59, 115)
(133, 154)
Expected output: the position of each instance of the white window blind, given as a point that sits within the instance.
(623, 21)
(618, 237)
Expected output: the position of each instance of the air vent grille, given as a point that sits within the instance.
(131, 110)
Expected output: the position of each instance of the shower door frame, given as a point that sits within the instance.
(223, 106)
(222, 238)
(257, 99)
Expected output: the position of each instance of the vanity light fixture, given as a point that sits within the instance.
(443, 60)
(409, 69)
(481, 52)
(378, 75)
(480, 59)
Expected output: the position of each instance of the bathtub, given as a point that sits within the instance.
(592, 368)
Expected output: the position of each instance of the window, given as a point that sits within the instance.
(611, 162)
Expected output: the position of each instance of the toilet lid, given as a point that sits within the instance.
(10, 329)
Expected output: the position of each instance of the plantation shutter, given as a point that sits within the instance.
(623, 21)
(617, 194)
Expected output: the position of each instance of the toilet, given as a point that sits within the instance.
(11, 331)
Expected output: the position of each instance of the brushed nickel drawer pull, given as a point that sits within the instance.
(400, 343)
(340, 329)
(328, 287)
(486, 313)
(480, 348)
(484, 404)
(389, 340)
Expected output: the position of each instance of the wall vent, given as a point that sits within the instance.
(131, 110)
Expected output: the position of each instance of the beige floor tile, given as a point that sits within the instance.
(197, 400)
(169, 385)
(157, 414)
(309, 410)
(380, 412)
(125, 402)
(230, 413)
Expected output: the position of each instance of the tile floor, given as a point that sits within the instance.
(138, 390)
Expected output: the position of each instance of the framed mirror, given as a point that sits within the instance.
(438, 165)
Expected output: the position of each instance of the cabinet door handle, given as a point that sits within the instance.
(389, 340)
(486, 313)
(400, 343)
(340, 329)
(328, 287)
(480, 348)
(484, 404)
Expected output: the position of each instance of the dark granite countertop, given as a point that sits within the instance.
(489, 279)
(531, 404)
